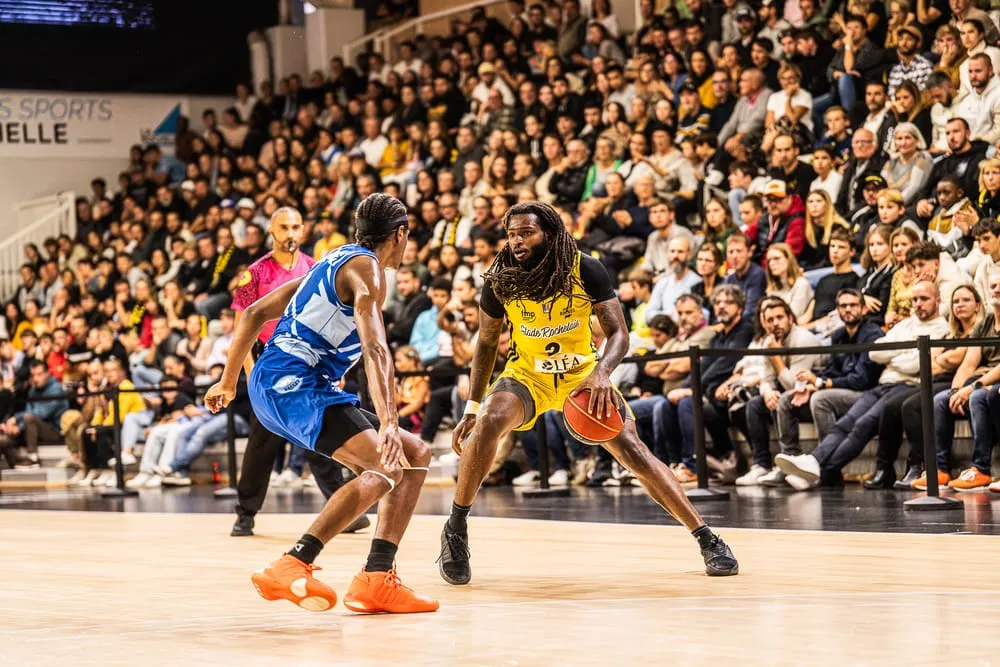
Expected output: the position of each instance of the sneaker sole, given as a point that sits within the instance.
(270, 591)
(715, 572)
(361, 607)
(975, 489)
(790, 468)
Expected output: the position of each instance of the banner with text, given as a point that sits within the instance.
(48, 124)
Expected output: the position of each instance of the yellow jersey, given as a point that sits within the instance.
(553, 339)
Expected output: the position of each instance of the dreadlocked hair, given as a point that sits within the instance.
(378, 209)
(552, 276)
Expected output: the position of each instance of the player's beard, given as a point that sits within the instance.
(534, 258)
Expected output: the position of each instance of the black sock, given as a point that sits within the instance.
(459, 513)
(704, 536)
(381, 556)
(306, 549)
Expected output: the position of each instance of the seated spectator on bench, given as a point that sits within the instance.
(853, 431)
(734, 332)
(780, 377)
(97, 438)
(38, 423)
(824, 396)
(975, 398)
(176, 410)
(903, 412)
(194, 437)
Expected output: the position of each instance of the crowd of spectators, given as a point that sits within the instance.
(778, 174)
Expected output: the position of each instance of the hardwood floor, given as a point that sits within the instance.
(170, 589)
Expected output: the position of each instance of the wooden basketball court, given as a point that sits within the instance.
(112, 589)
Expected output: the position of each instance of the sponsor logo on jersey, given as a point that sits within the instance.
(287, 383)
(549, 332)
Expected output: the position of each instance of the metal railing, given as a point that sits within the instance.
(382, 40)
(37, 220)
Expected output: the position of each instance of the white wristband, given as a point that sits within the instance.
(471, 408)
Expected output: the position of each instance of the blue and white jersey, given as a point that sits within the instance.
(314, 345)
(317, 327)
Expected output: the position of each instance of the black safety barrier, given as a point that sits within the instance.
(923, 345)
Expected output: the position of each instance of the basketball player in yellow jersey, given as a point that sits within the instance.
(547, 290)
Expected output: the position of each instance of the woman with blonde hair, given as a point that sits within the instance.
(988, 201)
(821, 218)
(909, 169)
(785, 279)
(903, 278)
(948, 45)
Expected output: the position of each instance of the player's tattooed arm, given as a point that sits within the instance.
(485, 356)
(612, 318)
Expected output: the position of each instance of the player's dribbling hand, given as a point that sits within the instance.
(390, 446)
(602, 394)
(218, 397)
(462, 432)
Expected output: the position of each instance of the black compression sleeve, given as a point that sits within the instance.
(595, 278)
(489, 302)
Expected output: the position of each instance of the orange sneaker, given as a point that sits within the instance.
(920, 484)
(375, 592)
(971, 480)
(684, 475)
(290, 579)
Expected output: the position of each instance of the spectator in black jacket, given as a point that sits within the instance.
(866, 160)
(735, 334)
(962, 163)
(827, 395)
(411, 303)
(570, 177)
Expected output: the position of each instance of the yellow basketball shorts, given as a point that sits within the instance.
(542, 392)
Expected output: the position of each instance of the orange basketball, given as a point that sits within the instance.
(588, 428)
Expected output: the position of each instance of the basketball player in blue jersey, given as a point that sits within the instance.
(330, 318)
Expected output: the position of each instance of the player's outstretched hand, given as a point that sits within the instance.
(462, 432)
(218, 397)
(602, 394)
(390, 446)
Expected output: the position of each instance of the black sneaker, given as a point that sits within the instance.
(453, 563)
(719, 559)
(360, 523)
(243, 526)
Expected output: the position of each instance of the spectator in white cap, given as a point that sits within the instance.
(245, 209)
(488, 80)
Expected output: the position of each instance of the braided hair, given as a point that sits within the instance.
(552, 276)
(377, 218)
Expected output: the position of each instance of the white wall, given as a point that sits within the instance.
(22, 179)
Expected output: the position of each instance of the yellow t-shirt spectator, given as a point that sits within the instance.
(128, 402)
(327, 244)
